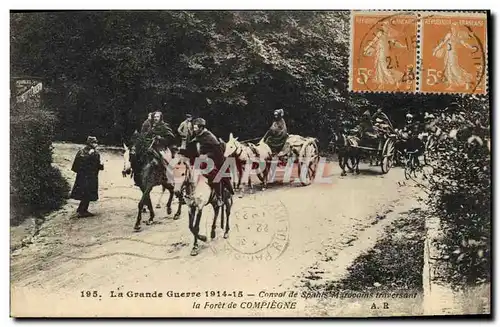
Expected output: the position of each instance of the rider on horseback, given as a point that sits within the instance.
(410, 136)
(162, 137)
(277, 135)
(431, 126)
(365, 127)
(209, 145)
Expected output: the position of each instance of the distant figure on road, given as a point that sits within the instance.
(185, 130)
(86, 165)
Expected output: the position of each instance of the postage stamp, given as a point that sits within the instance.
(383, 51)
(453, 53)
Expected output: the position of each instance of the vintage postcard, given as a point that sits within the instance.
(250, 163)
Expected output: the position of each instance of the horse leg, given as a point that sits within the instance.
(264, 176)
(197, 236)
(216, 213)
(192, 212)
(240, 175)
(170, 198)
(356, 162)
(140, 207)
(151, 212)
(178, 213)
(250, 183)
(227, 205)
(158, 204)
(342, 163)
(197, 227)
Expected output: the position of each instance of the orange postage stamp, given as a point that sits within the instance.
(454, 53)
(383, 51)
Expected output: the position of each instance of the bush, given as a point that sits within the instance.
(461, 193)
(36, 186)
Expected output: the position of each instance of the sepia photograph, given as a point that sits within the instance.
(250, 163)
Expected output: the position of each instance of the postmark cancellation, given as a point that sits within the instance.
(418, 52)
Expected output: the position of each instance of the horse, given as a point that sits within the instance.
(347, 150)
(199, 194)
(149, 172)
(127, 170)
(245, 154)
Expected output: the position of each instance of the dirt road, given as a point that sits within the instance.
(268, 249)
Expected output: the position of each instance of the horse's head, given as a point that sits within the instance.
(231, 146)
(127, 167)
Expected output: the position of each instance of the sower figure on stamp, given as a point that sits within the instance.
(86, 165)
(453, 73)
(208, 144)
(277, 135)
(384, 39)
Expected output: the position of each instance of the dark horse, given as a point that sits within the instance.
(148, 172)
(347, 150)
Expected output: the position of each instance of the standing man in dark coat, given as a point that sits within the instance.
(86, 165)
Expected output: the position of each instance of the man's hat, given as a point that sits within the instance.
(91, 139)
(279, 112)
(189, 115)
(199, 121)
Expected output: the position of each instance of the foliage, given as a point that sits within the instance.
(36, 186)
(106, 70)
(461, 191)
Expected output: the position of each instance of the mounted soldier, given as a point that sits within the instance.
(431, 125)
(277, 135)
(208, 144)
(365, 127)
(162, 138)
(379, 114)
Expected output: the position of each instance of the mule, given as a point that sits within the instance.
(199, 194)
(246, 154)
(149, 172)
(347, 150)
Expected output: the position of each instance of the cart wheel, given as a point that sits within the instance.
(429, 146)
(308, 162)
(387, 156)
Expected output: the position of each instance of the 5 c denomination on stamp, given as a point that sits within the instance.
(454, 52)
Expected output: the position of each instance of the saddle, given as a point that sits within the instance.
(254, 149)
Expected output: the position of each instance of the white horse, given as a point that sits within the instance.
(245, 156)
(198, 194)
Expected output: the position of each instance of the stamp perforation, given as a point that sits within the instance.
(420, 15)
